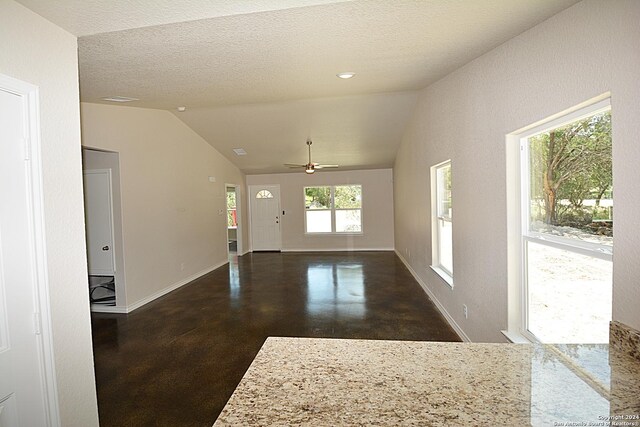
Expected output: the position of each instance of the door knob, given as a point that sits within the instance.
(105, 248)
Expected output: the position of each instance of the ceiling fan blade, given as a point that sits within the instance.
(311, 166)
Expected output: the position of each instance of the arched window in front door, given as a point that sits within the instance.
(264, 194)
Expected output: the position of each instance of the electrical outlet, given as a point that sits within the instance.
(465, 311)
(181, 266)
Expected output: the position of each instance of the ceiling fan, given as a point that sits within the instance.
(310, 167)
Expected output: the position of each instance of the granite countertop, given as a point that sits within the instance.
(333, 382)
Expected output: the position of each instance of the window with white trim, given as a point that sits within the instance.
(441, 221)
(232, 213)
(566, 212)
(333, 209)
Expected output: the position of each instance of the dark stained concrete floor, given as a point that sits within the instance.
(177, 360)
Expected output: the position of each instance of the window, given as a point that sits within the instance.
(264, 194)
(566, 219)
(336, 209)
(232, 217)
(317, 202)
(441, 223)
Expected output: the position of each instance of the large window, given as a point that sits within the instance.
(335, 209)
(567, 228)
(442, 237)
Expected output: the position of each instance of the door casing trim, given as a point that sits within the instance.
(31, 112)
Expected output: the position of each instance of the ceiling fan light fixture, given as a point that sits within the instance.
(346, 75)
(309, 167)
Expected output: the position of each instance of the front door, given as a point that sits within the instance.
(22, 395)
(265, 217)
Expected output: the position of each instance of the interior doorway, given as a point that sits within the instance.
(99, 228)
(234, 228)
(103, 221)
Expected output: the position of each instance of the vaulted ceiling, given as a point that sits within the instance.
(261, 74)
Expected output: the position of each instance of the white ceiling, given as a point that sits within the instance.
(356, 131)
(86, 17)
(221, 58)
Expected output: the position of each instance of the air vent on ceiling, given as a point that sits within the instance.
(119, 99)
(240, 151)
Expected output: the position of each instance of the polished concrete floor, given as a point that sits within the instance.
(177, 360)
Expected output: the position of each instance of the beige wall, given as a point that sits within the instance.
(170, 210)
(36, 51)
(583, 52)
(377, 209)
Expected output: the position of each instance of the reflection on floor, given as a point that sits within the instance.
(177, 360)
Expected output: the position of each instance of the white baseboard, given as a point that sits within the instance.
(337, 250)
(245, 252)
(433, 298)
(96, 308)
(173, 287)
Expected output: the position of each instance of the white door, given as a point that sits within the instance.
(22, 392)
(98, 219)
(265, 217)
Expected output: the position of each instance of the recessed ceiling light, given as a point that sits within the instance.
(240, 151)
(119, 99)
(346, 75)
(182, 109)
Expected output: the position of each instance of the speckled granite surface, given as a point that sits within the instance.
(332, 382)
(625, 339)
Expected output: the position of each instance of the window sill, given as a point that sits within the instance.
(448, 279)
(332, 233)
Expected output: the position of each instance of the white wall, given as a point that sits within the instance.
(38, 52)
(377, 209)
(585, 51)
(93, 159)
(170, 210)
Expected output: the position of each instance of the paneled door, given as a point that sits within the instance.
(22, 387)
(265, 217)
(99, 221)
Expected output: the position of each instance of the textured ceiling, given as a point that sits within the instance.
(261, 74)
(356, 132)
(295, 53)
(85, 17)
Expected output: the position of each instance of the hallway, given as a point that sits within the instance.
(176, 361)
